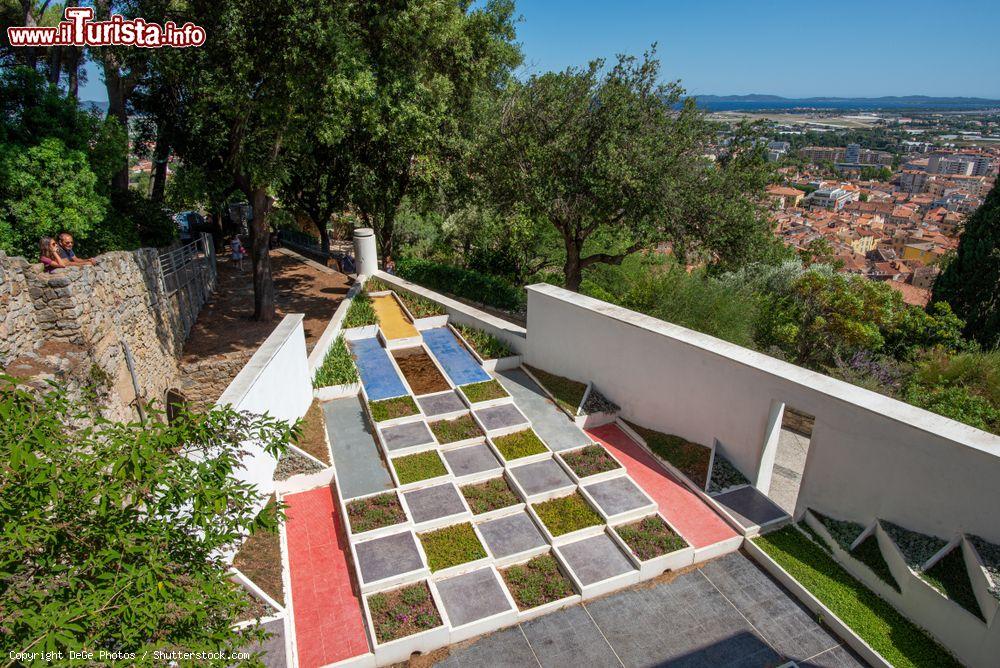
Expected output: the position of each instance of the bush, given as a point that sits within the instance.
(465, 283)
(132, 221)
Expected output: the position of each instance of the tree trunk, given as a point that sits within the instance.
(324, 238)
(263, 284)
(387, 232)
(73, 68)
(572, 270)
(116, 108)
(55, 64)
(160, 154)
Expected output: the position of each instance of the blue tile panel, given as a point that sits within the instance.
(377, 373)
(458, 363)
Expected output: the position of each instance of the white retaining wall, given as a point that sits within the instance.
(870, 456)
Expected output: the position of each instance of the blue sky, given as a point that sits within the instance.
(794, 49)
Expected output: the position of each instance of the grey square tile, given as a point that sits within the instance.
(431, 503)
(473, 596)
(618, 495)
(500, 417)
(511, 535)
(439, 404)
(503, 649)
(750, 506)
(569, 638)
(595, 559)
(406, 435)
(387, 557)
(540, 477)
(471, 460)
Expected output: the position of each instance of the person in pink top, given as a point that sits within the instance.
(48, 254)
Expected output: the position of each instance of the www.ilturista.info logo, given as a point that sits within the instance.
(80, 30)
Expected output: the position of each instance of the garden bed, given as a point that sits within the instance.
(487, 390)
(494, 494)
(567, 393)
(650, 537)
(391, 409)
(843, 532)
(589, 461)
(869, 553)
(598, 403)
(566, 515)
(420, 371)
(689, 458)
(519, 445)
(452, 546)
(338, 366)
(259, 559)
(537, 582)
(361, 313)
(292, 464)
(486, 345)
(990, 556)
(725, 475)
(375, 512)
(312, 438)
(916, 548)
(419, 307)
(421, 466)
(951, 577)
(459, 429)
(402, 612)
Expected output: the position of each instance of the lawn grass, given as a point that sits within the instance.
(419, 307)
(870, 554)
(421, 466)
(689, 458)
(360, 313)
(338, 366)
(519, 444)
(650, 537)
(375, 512)
(567, 514)
(537, 582)
(486, 345)
(403, 612)
(950, 577)
(890, 634)
(590, 460)
(390, 409)
(451, 546)
(459, 429)
(491, 495)
(484, 391)
(568, 393)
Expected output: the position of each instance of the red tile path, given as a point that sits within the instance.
(328, 618)
(682, 507)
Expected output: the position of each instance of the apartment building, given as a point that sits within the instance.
(833, 198)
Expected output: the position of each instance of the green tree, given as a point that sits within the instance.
(970, 283)
(113, 535)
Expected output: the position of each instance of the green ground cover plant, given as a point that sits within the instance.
(917, 548)
(568, 393)
(950, 577)
(360, 313)
(537, 582)
(845, 533)
(421, 466)
(484, 391)
(459, 429)
(338, 366)
(869, 553)
(650, 537)
(375, 512)
(567, 514)
(890, 634)
(491, 495)
(519, 444)
(390, 409)
(485, 344)
(403, 612)
(419, 307)
(590, 460)
(690, 458)
(724, 474)
(451, 546)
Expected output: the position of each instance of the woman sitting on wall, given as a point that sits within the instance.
(48, 254)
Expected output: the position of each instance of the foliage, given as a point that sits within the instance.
(537, 582)
(419, 307)
(459, 429)
(485, 344)
(901, 642)
(650, 537)
(843, 532)
(568, 393)
(915, 547)
(567, 514)
(132, 220)
(964, 387)
(689, 458)
(724, 474)
(465, 283)
(403, 612)
(338, 366)
(113, 535)
(421, 466)
(590, 460)
(483, 391)
(870, 554)
(488, 496)
(969, 282)
(451, 546)
(519, 444)
(375, 512)
(360, 313)
(951, 577)
(390, 409)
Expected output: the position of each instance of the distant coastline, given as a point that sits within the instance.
(758, 102)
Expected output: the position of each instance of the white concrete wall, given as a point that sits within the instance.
(870, 456)
(275, 381)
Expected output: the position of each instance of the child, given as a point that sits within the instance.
(238, 252)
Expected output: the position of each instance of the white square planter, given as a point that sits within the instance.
(475, 440)
(652, 568)
(570, 537)
(359, 333)
(458, 569)
(499, 512)
(366, 402)
(487, 403)
(520, 460)
(430, 322)
(331, 392)
(597, 477)
(551, 606)
(400, 650)
(373, 533)
(448, 475)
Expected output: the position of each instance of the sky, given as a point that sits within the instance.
(793, 49)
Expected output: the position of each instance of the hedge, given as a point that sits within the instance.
(472, 285)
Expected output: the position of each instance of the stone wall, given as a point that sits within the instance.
(70, 325)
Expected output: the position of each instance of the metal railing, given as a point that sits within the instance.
(180, 266)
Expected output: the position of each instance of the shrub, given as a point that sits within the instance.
(421, 466)
(338, 366)
(472, 285)
(690, 458)
(568, 393)
(375, 512)
(537, 582)
(459, 429)
(650, 537)
(451, 546)
(390, 409)
(519, 444)
(403, 612)
(491, 495)
(567, 514)
(590, 460)
(360, 313)
(484, 391)
(485, 344)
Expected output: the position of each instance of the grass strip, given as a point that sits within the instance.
(950, 577)
(537, 582)
(491, 495)
(459, 429)
(485, 344)
(403, 612)
(360, 313)
(568, 393)
(375, 512)
(567, 514)
(484, 391)
(689, 458)
(590, 460)
(650, 537)
(451, 546)
(390, 409)
(421, 466)
(519, 444)
(338, 366)
(890, 634)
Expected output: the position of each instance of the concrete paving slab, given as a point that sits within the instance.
(540, 477)
(407, 435)
(595, 559)
(569, 639)
(471, 460)
(618, 495)
(500, 417)
(360, 468)
(431, 503)
(377, 373)
(456, 361)
(473, 596)
(552, 425)
(439, 404)
(749, 507)
(503, 649)
(387, 557)
(511, 535)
